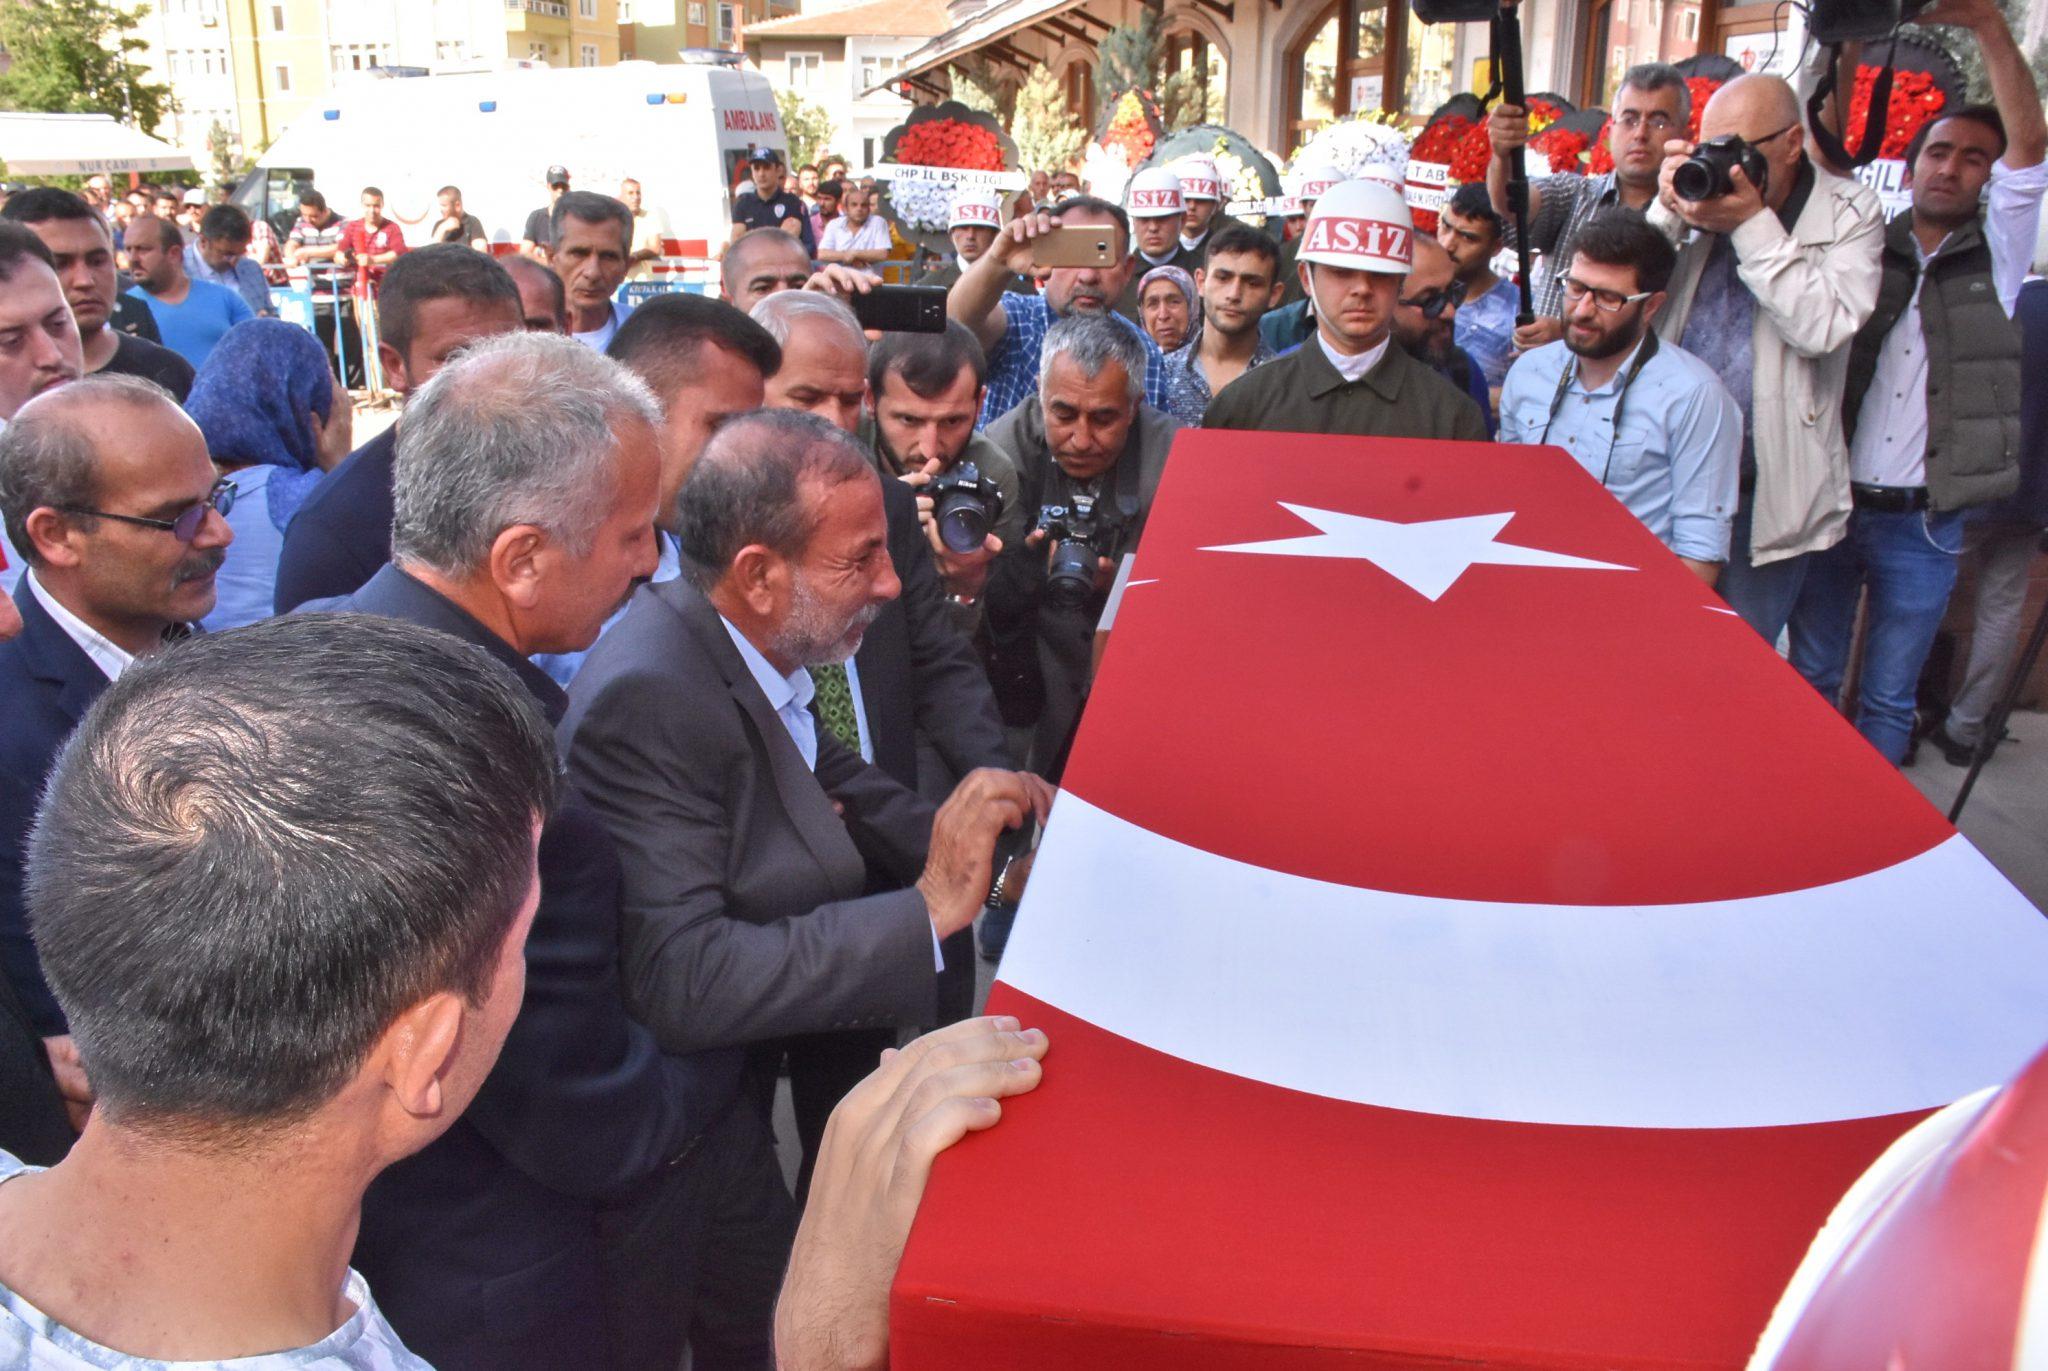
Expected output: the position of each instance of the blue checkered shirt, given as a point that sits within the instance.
(1187, 385)
(1013, 362)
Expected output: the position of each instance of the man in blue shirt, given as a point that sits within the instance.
(1471, 233)
(221, 257)
(1651, 421)
(1012, 327)
(191, 315)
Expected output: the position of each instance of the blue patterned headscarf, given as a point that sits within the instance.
(255, 399)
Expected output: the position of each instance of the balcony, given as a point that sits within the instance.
(552, 9)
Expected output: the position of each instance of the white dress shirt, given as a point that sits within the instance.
(1354, 368)
(1890, 446)
(108, 655)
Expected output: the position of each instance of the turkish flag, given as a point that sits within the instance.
(1461, 940)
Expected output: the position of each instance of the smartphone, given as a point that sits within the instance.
(1076, 245)
(902, 309)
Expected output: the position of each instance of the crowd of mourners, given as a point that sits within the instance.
(422, 860)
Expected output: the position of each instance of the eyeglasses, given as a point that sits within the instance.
(1607, 301)
(1655, 123)
(1773, 137)
(1434, 302)
(186, 526)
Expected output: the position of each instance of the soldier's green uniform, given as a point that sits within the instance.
(1303, 393)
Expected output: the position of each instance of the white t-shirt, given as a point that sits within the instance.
(31, 1339)
(873, 237)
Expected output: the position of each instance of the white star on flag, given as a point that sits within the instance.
(1427, 556)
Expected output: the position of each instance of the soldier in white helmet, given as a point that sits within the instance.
(1351, 377)
(1202, 187)
(976, 219)
(1309, 184)
(1157, 210)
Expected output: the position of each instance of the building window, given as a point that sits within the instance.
(697, 12)
(803, 69)
(1623, 33)
(357, 56)
(876, 69)
(726, 20)
(586, 9)
(1080, 87)
(590, 54)
(537, 52)
(283, 75)
(626, 11)
(277, 18)
(1191, 54)
(451, 50)
(1689, 25)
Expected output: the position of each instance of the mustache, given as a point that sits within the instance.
(200, 566)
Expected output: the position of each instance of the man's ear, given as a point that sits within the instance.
(1201, 278)
(514, 563)
(1651, 306)
(758, 573)
(49, 532)
(393, 362)
(417, 1051)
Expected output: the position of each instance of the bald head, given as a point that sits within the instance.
(1764, 112)
(824, 367)
(759, 482)
(761, 263)
(543, 304)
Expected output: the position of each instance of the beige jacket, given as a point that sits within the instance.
(1814, 287)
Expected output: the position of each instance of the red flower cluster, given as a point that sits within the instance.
(1130, 129)
(1441, 139)
(950, 143)
(1916, 100)
(1601, 159)
(1564, 147)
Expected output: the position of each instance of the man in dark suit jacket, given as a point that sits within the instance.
(753, 841)
(93, 477)
(484, 1248)
(433, 303)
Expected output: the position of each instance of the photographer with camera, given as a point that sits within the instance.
(1932, 409)
(925, 390)
(1777, 269)
(1089, 453)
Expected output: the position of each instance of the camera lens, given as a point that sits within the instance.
(1697, 179)
(963, 519)
(1070, 580)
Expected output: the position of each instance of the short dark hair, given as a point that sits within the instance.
(1621, 237)
(835, 188)
(1240, 237)
(309, 196)
(808, 166)
(1471, 201)
(225, 223)
(737, 263)
(518, 262)
(593, 208)
(927, 362)
(1099, 206)
(40, 204)
(173, 237)
(370, 190)
(747, 487)
(453, 190)
(260, 847)
(1984, 115)
(662, 341)
(439, 271)
(17, 244)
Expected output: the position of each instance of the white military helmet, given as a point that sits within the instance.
(1311, 181)
(1154, 193)
(978, 208)
(1382, 173)
(1199, 179)
(1362, 225)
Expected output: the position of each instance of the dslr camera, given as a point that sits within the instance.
(1070, 578)
(966, 505)
(1706, 174)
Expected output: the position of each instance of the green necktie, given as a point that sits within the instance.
(833, 703)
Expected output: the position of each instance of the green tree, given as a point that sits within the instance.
(1133, 57)
(77, 57)
(223, 151)
(1047, 136)
(976, 86)
(807, 127)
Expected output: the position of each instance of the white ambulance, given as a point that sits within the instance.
(681, 130)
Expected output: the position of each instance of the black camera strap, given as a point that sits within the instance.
(1834, 148)
(1644, 353)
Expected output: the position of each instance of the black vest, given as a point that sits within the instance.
(1973, 363)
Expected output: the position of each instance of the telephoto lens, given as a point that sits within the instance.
(966, 505)
(1071, 578)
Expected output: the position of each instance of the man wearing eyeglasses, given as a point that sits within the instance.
(1774, 278)
(1651, 106)
(1426, 319)
(1648, 419)
(107, 490)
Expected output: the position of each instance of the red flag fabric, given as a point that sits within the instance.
(1461, 939)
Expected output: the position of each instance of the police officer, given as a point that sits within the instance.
(1349, 377)
(767, 203)
(1158, 212)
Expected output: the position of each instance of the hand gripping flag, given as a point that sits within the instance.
(1463, 941)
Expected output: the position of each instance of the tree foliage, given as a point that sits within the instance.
(807, 127)
(1047, 135)
(976, 86)
(78, 57)
(1133, 57)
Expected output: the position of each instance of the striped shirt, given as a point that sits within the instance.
(1569, 200)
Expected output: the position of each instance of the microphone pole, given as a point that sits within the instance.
(1507, 57)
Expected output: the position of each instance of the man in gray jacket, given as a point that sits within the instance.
(1773, 281)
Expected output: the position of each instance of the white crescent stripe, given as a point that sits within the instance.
(1899, 990)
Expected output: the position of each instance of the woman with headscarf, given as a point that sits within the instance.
(275, 420)
(1166, 306)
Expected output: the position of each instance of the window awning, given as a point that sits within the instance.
(988, 29)
(81, 145)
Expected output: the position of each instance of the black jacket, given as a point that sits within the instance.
(482, 1248)
(342, 534)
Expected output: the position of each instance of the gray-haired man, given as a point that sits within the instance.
(525, 491)
(593, 246)
(1089, 453)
